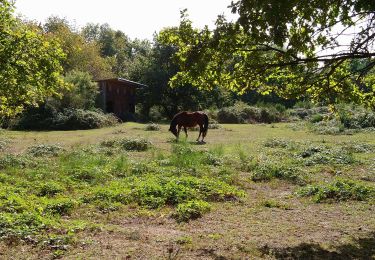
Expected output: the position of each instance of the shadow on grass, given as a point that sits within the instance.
(361, 248)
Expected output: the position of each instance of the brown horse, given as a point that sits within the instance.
(185, 119)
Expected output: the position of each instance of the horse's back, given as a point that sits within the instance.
(190, 119)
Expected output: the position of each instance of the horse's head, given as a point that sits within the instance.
(173, 130)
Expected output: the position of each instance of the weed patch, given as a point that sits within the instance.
(315, 155)
(16, 161)
(279, 143)
(4, 143)
(269, 171)
(339, 190)
(127, 144)
(45, 150)
(152, 127)
(191, 210)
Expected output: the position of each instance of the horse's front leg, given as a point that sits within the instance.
(178, 132)
(185, 132)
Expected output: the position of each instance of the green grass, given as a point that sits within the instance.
(56, 187)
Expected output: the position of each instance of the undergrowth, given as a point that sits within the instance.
(47, 183)
(338, 190)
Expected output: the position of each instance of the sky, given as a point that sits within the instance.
(136, 18)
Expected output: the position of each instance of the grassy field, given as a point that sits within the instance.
(252, 191)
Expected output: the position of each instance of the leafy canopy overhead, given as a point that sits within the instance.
(30, 67)
(321, 49)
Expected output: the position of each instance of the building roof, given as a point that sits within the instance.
(125, 81)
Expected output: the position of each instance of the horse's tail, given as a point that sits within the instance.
(205, 125)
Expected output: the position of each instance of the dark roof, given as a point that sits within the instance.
(128, 82)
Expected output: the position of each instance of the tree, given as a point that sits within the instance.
(292, 48)
(114, 45)
(82, 94)
(30, 67)
(155, 70)
(81, 55)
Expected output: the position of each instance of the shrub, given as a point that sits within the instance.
(314, 155)
(191, 210)
(45, 150)
(330, 127)
(11, 160)
(269, 171)
(4, 142)
(61, 206)
(243, 113)
(135, 144)
(339, 190)
(316, 118)
(67, 119)
(152, 127)
(355, 117)
(49, 189)
(279, 143)
(73, 119)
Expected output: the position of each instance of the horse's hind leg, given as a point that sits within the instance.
(200, 132)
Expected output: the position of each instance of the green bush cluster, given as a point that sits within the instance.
(338, 190)
(152, 127)
(154, 191)
(45, 150)
(67, 119)
(345, 120)
(191, 210)
(279, 143)
(269, 171)
(243, 113)
(13, 160)
(314, 155)
(356, 117)
(128, 144)
(4, 142)
(309, 112)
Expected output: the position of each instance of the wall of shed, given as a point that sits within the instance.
(117, 98)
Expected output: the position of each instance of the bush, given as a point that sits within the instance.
(339, 190)
(191, 210)
(346, 120)
(49, 189)
(356, 117)
(3, 144)
(152, 127)
(45, 150)
(314, 155)
(62, 206)
(47, 118)
(73, 119)
(316, 118)
(309, 112)
(331, 127)
(135, 144)
(243, 113)
(267, 172)
(11, 160)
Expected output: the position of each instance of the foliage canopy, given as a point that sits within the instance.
(321, 49)
(29, 64)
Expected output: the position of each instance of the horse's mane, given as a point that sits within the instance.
(174, 121)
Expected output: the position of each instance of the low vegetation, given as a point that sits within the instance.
(52, 194)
